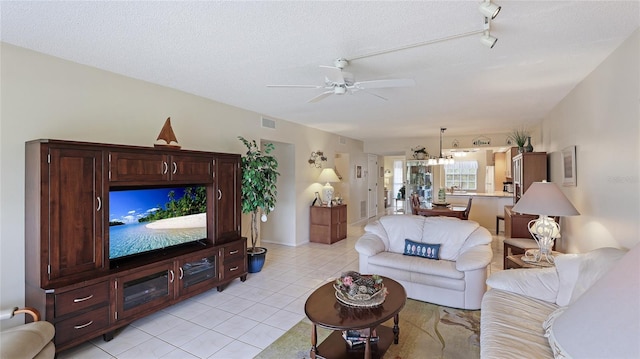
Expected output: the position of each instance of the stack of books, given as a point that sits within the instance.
(357, 338)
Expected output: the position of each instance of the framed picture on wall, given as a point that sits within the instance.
(569, 166)
(381, 172)
(358, 171)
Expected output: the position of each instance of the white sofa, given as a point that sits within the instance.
(456, 279)
(587, 306)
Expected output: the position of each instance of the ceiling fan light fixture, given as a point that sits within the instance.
(488, 40)
(489, 9)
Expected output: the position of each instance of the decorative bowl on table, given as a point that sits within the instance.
(358, 290)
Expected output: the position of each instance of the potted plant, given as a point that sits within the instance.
(520, 138)
(259, 177)
(420, 152)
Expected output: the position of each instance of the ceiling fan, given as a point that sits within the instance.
(338, 82)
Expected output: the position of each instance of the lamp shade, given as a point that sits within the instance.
(328, 175)
(545, 198)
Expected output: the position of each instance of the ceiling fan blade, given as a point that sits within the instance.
(378, 84)
(333, 74)
(321, 97)
(373, 94)
(298, 86)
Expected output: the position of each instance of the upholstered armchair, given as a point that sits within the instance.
(31, 340)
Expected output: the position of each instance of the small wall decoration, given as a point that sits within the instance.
(381, 172)
(358, 171)
(482, 141)
(316, 159)
(569, 166)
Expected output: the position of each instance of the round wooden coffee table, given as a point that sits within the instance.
(323, 309)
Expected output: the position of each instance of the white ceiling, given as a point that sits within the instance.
(229, 51)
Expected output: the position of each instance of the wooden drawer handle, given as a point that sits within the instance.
(83, 325)
(233, 269)
(78, 300)
(234, 252)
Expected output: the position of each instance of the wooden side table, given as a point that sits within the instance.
(328, 224)
(517, 246)
(515, 262)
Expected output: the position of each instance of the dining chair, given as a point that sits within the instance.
(465, 215)
(415, 203)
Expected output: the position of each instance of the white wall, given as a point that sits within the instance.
(46, 97)
(279, 227)
(601, 117)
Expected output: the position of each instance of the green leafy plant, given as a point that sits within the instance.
(259, 178)
(519, 137)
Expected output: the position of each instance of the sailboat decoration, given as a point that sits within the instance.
(167, 135)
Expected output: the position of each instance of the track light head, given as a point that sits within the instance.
(489, 9)
(488, 40)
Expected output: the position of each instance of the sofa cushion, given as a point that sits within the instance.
(397, 228)
(541, 283)
(448, 231)
(511, 326)
(603, 322)
(416, 264)
(422, 250)
(577, 272)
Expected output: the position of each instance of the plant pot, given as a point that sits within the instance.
(255, 260)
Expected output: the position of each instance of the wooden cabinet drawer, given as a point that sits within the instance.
(234, 251)
(81, 325)
(78, 299)
(234, 269)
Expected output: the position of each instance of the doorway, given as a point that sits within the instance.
(372, 185)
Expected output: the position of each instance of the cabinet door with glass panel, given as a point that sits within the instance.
(419, 181)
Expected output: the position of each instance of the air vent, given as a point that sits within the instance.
(363, 209)
(342, 140)
(268, 123)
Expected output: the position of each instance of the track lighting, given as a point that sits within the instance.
(488, 40)
(489, 9)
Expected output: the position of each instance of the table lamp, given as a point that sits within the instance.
(328, 175)
(546, 200)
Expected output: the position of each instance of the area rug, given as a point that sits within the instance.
(426, 331)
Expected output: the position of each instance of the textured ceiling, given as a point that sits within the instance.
(229, 51)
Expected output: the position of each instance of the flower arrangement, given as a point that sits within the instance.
(358, 287)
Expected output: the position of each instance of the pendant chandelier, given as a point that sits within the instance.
(441, 159)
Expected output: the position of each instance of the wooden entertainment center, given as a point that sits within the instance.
(69, 276)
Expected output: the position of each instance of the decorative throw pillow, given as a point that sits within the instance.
(424, 250)
(577, 272)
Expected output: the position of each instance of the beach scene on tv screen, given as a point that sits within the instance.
(142, 220)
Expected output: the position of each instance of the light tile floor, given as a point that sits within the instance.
(246, 317)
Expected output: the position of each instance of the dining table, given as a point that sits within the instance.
(447, 211)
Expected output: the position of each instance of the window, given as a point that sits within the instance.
(462, 174)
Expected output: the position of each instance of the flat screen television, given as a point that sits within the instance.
(149, 219)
